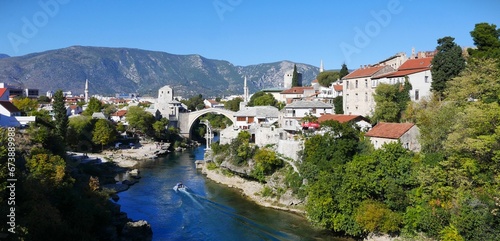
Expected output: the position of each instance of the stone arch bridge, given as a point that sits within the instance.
(186, 120)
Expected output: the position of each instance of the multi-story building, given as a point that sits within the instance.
(359, 87)
(418, 72)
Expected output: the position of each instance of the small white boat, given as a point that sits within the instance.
(180, 187)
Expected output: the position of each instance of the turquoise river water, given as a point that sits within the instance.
(207, 211)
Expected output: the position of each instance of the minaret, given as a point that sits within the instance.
(86, 91)
(245, 91)
(321, 69)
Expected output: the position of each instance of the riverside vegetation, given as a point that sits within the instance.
(448, 191)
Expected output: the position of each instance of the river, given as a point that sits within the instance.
(207, 211)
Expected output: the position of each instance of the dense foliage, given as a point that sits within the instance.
(391, 101)
(448, 191)
(326, 78)
(295, 77)
(261, 98)
(234, 104)
(447, 64)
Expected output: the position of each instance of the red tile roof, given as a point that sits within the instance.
(339, 118)
(2, 91)
(363, 72)
(213, 102)
(422, 63)
(120, 113)
(296, 90)
(9, 106)
(337, 87)
(389, 130)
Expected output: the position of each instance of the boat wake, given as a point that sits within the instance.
(212, 208)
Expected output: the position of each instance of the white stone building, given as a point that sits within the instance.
(406, 133)
(419, 75)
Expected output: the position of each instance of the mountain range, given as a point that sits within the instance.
(126, 70)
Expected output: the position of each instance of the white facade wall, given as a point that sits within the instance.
(290, 148)
(409, 140)
(420, 82)
(358, 96)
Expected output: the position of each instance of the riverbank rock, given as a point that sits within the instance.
(137, 231)
(116, 188)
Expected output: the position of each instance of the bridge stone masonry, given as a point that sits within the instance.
(186, 120)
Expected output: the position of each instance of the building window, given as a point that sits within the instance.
(313, 111)
(366, 97)
(416, 95)
(356, 84)
(426, 79)
(366, 83)
(374, 83)
(357, 99)
(346, 98)
(347, 84)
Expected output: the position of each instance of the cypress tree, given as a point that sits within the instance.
(295, 76)
(61, 119)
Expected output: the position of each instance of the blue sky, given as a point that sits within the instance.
(245, 32)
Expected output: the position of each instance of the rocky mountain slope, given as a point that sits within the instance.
(125, 70)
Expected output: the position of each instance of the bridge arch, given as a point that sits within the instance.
(186, 120)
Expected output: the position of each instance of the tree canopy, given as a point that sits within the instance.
(391, 101)
(93, 106)
(327, 78)
(61, 119)
(487, 40)
(295, 77)
(262, 99)
(234, 104)
(446, 65)
(343, 71)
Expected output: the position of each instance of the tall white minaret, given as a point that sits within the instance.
(86, 91)
(245, 90)
(321, 69)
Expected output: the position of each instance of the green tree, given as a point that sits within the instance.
(140, 120)
(266, 162)
(295, 76)
(487, 40)
(234, 104)
(104, 133)
(478, 81)
(42, 99)
(49, 169)
(25, 104)
(93, 106)
(446, 65)
(343, 71)
(160, 127)
(338, 105)
(262, 99)
(194, 103)
(61, 119)
(327, 78)
(80, 133)
(391, 101)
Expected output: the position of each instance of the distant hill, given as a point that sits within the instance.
(125, 70)
(4, 56)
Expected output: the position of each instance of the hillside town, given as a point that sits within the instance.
(268, 124)
(404, 147)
